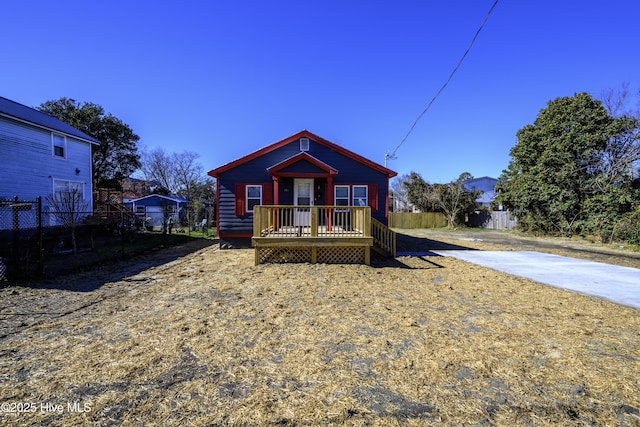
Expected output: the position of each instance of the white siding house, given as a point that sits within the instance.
(41, 155)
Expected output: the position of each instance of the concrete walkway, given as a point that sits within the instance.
(611, 282)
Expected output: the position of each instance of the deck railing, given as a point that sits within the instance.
(311, 221)
(384, 238)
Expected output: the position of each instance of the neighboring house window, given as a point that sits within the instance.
(254, 196)
(61, 186)
(141, 210)
(341, 195)
(360, 195)
(59, 145)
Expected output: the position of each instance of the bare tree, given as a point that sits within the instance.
(177, 173)
(69, 208)
(622, 152)
(157, 166)
(399, 191)
(188, 172)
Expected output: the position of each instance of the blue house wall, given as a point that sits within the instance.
(29, 165)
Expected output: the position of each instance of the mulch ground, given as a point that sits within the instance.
(201, 336)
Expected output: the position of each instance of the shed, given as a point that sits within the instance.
(159, 209)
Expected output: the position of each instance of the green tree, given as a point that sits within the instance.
(452, 199)
(117, 155)
(559, 180)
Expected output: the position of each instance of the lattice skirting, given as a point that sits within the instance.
(323, 254)
(341, 254)
(278, 255)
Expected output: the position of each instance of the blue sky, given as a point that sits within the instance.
(225, 78)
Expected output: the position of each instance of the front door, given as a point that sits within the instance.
(302, 196)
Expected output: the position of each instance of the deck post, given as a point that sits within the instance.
(314, 221)
(367, 222)
(257, 225)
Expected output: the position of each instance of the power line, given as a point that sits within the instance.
(392, 155)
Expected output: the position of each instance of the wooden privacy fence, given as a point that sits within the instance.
(417, 220)
(495, 220)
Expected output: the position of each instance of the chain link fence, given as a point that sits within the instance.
(37, 241)
(20, 233)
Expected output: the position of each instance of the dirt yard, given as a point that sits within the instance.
(198, 336)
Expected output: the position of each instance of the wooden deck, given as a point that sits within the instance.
(326, 234)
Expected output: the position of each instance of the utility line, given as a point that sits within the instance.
(392, 155)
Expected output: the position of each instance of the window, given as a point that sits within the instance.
(63, 188)
(249, 195)
(254, 196)
(341, 195)
(304, 144)
(59, 143)
(360, 195)
(141, 210)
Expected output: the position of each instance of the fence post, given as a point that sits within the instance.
(40, 248)
(16, 235)
(122, 233)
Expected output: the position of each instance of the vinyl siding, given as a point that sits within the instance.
(28, 166)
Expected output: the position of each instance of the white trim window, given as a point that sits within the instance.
(59, 145)
(341, 195)
(253, 196)
(360, 195)
(62, 186)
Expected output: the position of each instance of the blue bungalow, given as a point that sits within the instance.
(301, 192)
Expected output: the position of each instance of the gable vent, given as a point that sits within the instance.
(304, 144)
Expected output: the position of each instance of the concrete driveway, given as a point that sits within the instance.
(611, 282)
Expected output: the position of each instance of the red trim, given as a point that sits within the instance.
(372, 197)
(386, 204)
(240, 194)
(267, 193)
(235, 235)
(302, 134)
(276, 191)
(328, 192)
